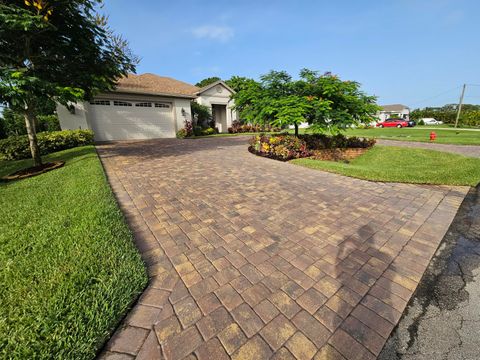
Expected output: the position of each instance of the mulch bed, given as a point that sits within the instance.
(339, 154)
(33, 171)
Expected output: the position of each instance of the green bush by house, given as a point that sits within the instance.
(17, 147)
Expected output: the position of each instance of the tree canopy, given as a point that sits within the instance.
(469, 116)
(207, 81)
(323, 100)
(61, 51)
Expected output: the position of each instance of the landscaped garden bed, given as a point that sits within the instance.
(286, 147)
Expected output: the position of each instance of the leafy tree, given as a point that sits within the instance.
(324, 101)
(61, 51)
(207, 81)
(201, 114)
(238, 83)
(13, 123)
(469, 116)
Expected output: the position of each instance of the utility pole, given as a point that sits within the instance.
(460, 105)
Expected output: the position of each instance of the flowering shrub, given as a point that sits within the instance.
(287, 147)
(186, 131)
(188, 128)
(280, 147)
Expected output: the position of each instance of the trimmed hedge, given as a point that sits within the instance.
(17, 147)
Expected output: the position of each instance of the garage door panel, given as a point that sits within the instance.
(125, 123)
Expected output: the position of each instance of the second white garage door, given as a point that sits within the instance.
(126, 120)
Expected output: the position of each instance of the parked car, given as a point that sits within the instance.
(399, 123)
(431, 121)
(411, 123)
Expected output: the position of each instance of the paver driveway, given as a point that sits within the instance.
(251, 258)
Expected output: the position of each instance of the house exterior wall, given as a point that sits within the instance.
(82, 116)
(77, 120)
(384, 115)
(182, 111)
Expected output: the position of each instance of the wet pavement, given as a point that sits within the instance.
(442, 320)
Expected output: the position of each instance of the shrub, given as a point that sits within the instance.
(197, 130)
(48, 123)
(421, 122)
(17, 147)
(201, 114)
(181, 134)
(286, 147)
(188, 128)
(280, 147)
(321, 141)
(208, 131)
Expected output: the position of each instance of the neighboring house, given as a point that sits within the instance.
(147, 106)
(395, 110)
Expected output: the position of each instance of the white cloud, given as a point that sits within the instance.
(213, 32)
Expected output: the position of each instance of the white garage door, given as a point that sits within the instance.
(125, 120)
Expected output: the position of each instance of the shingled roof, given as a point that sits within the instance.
(155, 85)
(394, 107)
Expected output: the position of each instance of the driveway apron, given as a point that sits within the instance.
(252, 258)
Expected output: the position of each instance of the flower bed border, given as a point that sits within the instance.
(339, 154)
(319, 147)
(33, 171)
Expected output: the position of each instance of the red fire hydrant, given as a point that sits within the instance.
(433, 136)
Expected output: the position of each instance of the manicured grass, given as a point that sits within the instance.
(68, 267)
(461, 137)
(397, 164)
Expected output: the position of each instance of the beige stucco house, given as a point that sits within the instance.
(395, 110)
(147, 106)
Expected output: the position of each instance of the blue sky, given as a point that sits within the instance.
(416, 52)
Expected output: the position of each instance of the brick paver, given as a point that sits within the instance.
(251, 257)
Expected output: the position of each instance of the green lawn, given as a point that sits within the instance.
(397, 164)
(462, 137)
(419, 133)
(68, 267)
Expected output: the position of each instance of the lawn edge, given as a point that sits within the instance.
(121, 319)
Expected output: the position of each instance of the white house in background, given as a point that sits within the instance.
(395, 110)
(147, 106)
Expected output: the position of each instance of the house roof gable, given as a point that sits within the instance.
(394, 107)
(212, 85)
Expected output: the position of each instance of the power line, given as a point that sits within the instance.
(436, 96)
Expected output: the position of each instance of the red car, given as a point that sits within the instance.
(399, 123)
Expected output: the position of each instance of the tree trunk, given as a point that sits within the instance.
(32, 137)
(296, 130)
